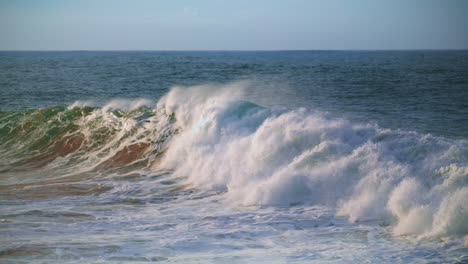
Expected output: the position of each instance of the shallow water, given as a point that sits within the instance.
(239, 157)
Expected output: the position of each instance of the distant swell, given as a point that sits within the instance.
(215, 140)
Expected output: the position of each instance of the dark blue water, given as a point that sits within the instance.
(426, 91)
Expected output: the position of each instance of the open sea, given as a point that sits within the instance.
(234, 157)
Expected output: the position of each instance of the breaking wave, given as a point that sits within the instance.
(213, 139)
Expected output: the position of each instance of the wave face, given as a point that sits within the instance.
(85, 135)
(212, 140)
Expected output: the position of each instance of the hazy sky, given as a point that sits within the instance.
(232, 24)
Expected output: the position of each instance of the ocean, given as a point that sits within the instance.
(234, 157)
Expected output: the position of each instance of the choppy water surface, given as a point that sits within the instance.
(236, 157)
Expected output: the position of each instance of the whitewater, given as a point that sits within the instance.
(203, 175)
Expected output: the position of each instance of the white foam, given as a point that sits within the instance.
(262, 156)
(115, 104)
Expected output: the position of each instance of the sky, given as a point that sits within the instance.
(233, 25)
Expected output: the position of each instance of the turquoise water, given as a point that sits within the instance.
(237, 157)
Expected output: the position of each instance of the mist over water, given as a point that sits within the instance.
(234, 156)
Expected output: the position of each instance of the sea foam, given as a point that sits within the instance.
(262, 156)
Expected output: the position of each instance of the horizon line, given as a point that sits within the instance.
(220, 50)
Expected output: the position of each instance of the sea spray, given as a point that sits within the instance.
(267, 157)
